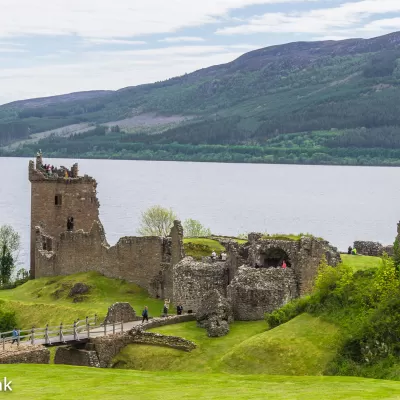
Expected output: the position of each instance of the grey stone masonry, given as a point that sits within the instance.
(253, 292)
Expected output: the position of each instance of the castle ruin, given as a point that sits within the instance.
(67, 237)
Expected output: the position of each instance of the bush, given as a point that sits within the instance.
(7, 321)
(288, 312)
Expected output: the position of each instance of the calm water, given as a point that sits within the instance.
(341, 204)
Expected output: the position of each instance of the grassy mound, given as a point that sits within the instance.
(205, 358)
(48, 300)
(358, 263)
(201, 247)
(303, 346)
(42, 382)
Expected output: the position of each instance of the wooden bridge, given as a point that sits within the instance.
(78, 332)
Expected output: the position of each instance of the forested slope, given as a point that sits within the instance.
(308, 97)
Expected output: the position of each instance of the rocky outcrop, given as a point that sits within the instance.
(214, 314)
(253, 292)
(79, 289)
(120, 312)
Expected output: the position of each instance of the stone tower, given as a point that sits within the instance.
(57, 195)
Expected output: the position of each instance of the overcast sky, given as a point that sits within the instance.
(52, 47)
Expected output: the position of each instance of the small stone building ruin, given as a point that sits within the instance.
(252, 277)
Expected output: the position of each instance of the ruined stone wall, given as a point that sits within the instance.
(80, 357)
(75, 197)
(253, 292)
(26, 355)
(367, 248)
(136, 259)
(375, 249)
(108, 347)
(192, 279)
(303, 255)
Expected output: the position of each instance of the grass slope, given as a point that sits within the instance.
(41, 382)
(201, 247)
(361, 262)
(46, 300)
(205, 358)
(303, 346)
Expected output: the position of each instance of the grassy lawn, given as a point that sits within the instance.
(302, 346)
(205, 358)
(46, 300)
(42, 382)
(360, 262)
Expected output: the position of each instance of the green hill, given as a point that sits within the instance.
(47, 301)
(331, 102)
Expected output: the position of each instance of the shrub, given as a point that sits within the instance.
(7, 321)
(288, 312)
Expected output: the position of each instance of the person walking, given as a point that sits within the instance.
(179, 309)
(15, 335)
(284, 264)
(165, 308)
(145, 314)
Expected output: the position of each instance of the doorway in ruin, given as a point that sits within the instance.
(273, 258)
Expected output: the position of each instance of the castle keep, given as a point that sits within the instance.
(67, 237)
(54, 199)
(55, 250)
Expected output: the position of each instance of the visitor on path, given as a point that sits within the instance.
(69, 226)
(145, 314)
(284, 264)
(179, 309)
(350, 249)
(213, 255)
(223, 256)
(15, 335)
(166, 307)
(354, 252)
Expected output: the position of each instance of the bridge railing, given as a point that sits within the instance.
(51, 335)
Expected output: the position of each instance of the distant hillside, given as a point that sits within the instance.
(319, 102)
(64, 98)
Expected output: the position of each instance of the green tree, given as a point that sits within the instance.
(156, 221)
(10, 243)
(396, 253)
(193, 228)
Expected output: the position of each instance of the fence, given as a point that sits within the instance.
(62, 334)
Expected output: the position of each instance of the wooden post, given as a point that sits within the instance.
(87, 327)
(61, 332)
(33, 336)
(75, 333)
(46, 334)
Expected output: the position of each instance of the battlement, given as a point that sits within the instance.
(47, 172)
